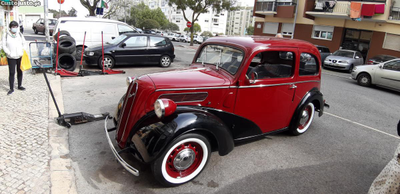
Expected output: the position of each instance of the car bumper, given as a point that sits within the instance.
(90, 59)
(354, 75)
(340, 66)
(127, 167)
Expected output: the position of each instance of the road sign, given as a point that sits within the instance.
(189, 24)
(60, 1)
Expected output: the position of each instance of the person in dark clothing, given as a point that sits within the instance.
(13, 44)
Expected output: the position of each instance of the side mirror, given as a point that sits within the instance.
(253, 77)
(113, 37)
(123, 45)
(380, 66)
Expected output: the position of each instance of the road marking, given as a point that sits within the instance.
(368, 127)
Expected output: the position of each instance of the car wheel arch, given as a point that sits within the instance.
(365, 72)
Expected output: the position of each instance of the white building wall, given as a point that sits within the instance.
(239, 20)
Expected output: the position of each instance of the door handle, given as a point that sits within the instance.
(293, 86)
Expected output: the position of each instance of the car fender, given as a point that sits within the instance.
(315, 96)
(154, 135)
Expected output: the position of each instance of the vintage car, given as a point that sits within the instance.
(236, 89)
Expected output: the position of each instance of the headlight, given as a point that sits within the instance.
(129, 81)
(164, 107)
(90, 53)
(345, 62)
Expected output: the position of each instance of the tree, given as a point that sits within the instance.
(206, 33)
(91, 7)
(171, 27)
(196, 28)
(150, 24)
(72, 12)
(199, 7)
(142, 12)
(250, 30)
(56, 13)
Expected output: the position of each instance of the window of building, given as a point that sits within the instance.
(178, 20)
(178, 12)
(323, 32)
(216, 24)
(287, 29)
(308, 64)
(205, 20)
(215, 20)
(391, 42)
(270, 28)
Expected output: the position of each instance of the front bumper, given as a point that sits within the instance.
(90, 60)
(127, 167)
(342, 66)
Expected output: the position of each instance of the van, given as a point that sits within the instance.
(93, 28)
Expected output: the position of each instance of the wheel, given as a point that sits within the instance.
(183, 160)
(108, 62)
(305, 119)
(62, 33)
(67, 61)
(35, 30)
(78, 52)
(351, 68)
(67, 45)
(364, 79)
(165, 61)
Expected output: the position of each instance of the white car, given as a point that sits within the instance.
(386, 74)
(197, 39)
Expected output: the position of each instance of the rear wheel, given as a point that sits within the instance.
(183, 160)
(305, 119)
(364, 79)
(35, 30)
(165, 61)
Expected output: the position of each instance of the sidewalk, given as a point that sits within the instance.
(33, 149)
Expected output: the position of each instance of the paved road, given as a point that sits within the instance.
(341, 153)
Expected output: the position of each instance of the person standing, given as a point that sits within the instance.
(13, 46)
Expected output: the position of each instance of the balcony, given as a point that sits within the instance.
(276, 8)
(395, 14)
(265, 7)
(322, 9)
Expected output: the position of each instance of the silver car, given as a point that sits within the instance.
(343, 60)
(386, 74)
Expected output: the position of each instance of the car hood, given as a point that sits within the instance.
(189, 78)
(97, 47)
(339, 58)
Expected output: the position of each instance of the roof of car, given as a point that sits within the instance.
(255, 41)
(137, 34)
(91, 19)
(347, 50)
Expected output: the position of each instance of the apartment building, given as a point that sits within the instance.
(370, 26)
(238, 21)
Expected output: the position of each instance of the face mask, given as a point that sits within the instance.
(15, 30)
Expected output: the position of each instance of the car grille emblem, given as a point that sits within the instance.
(334, 61)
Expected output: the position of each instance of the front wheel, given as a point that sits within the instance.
(108, 62)
(183, 160)
(364, 80)
(305, 119)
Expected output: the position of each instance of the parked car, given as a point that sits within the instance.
(93, 28)
(171, 36)
(235, 89)
(324, 51)
(39, 26)
(379, 59)
(386, 74)
(160, 33)
(176, 38)
(197, 39)
(343, 60)
(148, 31)
(183, 38)
(132, 48)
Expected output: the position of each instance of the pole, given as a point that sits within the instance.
(102, 51)
(83, 49)
(46, 24)
(295, 18)
(58, 43)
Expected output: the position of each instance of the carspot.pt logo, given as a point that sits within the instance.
(21, 2)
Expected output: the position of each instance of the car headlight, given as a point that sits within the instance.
(129, 80)
(164, 107)
(90, 53)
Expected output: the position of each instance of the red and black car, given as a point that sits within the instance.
(236, 88)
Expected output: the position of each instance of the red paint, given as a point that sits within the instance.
(271, 108)
(189, 24)
(60, 1)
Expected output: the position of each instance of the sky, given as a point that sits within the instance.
(82, 11)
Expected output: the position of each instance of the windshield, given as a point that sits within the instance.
(344, 54)
(52, 22)
(225, 57)
(118, 39)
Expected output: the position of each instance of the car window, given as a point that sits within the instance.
(326, 50)
(308, 64)
(359, 55)
(117, 40)
(225, 57)
(136, 41)
(157, 41)
(273, 64)
(344, 54)
(124, 29)
(392, 65)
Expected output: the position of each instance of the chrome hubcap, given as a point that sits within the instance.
(165, 61)
(107, 62)
(304, 117)
(184, 159)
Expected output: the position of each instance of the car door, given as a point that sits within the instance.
(157, 47)
(389, 74)
(40, 25)
(266, 94)
(132, 50)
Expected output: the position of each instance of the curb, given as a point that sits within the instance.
(62, 177)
